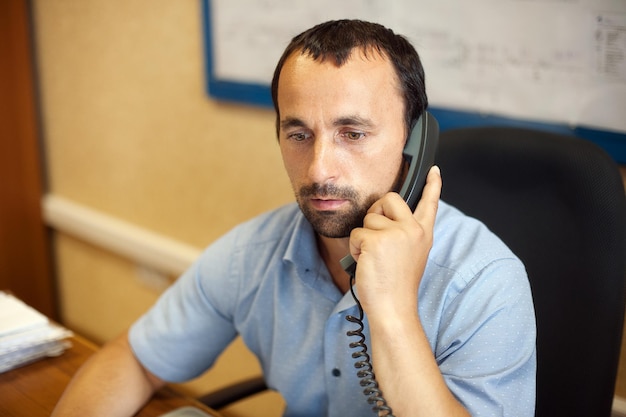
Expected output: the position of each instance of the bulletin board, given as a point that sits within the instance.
(558, 65)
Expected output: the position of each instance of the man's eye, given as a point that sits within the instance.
(297, 136)
(354, 135)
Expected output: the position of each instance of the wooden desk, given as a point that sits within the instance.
(34, 389)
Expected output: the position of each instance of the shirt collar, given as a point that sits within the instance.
(303, 255)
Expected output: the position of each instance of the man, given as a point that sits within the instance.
(449, 315)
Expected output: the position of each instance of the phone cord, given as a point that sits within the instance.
(364, 366)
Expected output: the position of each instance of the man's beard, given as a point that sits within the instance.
(334, 224)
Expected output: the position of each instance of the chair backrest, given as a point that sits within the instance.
(558, 202)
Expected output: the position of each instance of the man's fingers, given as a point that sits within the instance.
(426, 210)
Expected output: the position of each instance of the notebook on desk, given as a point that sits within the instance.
(27, 335)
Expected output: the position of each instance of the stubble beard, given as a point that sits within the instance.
(334, 223)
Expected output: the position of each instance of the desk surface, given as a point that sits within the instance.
(34, 389)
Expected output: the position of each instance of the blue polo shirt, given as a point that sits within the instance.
(265, 281)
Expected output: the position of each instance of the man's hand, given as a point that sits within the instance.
(391, 250)
(392, 247)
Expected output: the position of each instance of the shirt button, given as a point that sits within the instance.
(336, 372)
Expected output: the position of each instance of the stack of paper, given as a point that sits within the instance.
(27, 335)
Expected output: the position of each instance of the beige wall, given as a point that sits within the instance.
(129, 131)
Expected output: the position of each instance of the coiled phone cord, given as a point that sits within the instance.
(364, 365)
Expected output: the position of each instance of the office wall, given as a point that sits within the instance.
(128, 131)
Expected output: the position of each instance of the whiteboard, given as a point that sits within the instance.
(559, 62)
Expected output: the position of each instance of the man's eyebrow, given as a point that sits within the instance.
(291, 122)
(353, 120)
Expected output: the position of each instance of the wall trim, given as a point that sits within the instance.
(138, 244)
(619, 407)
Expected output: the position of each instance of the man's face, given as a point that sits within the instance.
(341, 136)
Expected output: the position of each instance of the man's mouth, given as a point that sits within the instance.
(327, 197)
(327, 204)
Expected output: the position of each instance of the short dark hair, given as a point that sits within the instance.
(336, 39)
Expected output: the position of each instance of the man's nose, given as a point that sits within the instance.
(323, 163)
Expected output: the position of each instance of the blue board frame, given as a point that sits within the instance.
(258, 94)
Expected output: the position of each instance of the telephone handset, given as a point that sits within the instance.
(419, 154)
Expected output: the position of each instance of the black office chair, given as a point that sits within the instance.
(559, 203)
(234, 392)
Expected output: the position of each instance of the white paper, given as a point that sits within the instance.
(16, 315)
(27, 335)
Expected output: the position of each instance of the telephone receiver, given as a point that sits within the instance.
(419, 154)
